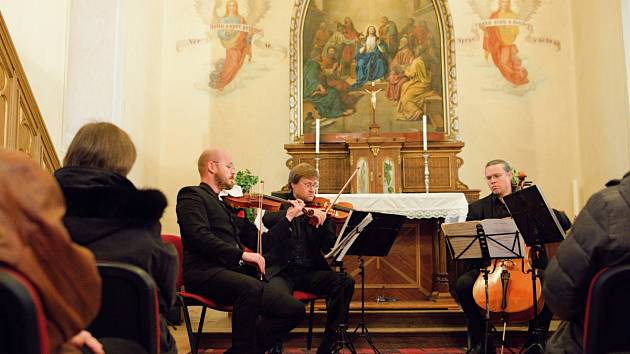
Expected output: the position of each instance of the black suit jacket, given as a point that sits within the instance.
(317, 241)
(213, 237)
(489, 207)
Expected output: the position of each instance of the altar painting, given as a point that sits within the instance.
(372, 60)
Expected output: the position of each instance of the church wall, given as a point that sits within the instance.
(172, 114)
(141, 23)
(533, 126)
(602, 105)
(39, 30)
(249, 118)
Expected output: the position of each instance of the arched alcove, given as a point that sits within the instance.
(347, 21)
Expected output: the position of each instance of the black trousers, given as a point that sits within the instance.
(476, 326)
(336, 287)
(262, 314)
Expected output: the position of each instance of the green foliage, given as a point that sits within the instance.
(515, 180)
(246, 179)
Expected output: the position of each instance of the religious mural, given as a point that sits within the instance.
(233, 25)
(365, 60)
(502, 23)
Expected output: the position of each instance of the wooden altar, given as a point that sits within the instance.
(338, 161)
(417, 267)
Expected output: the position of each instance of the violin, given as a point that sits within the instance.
(510, 286)
(339, 212)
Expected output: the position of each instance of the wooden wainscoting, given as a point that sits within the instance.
(21, 125)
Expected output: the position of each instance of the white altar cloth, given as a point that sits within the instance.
(453, 207)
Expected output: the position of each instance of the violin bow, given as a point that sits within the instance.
(261, 188)
(342, 189)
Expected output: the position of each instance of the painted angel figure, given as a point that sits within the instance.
(235, 32)
(500, 33)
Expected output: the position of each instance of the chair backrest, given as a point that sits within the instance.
(129, 306)
(22, 317)
(176, 241)
(607, 311)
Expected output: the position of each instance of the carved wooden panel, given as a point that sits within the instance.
(5, 96)
(406, 273)
(21, 124)
(382, 168)
(338, 161)
(334, 168)
(28, 137)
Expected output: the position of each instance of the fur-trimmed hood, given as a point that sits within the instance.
(107, 201)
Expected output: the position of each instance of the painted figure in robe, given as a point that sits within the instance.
(237, 45)
(371, 59)
(498, 42)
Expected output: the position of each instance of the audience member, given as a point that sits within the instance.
(110, 216)
(599, 238)
(34, 242)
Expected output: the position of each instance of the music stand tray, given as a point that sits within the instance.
(533, 216)
(366, 234)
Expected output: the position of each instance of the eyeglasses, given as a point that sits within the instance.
(310, 185)
(230, 165)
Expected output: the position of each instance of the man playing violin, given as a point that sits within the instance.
(297, 262)
(499, 179)
(217, 265)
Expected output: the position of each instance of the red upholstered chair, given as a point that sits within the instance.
(26, 331)
(310, 299)
(129, 306)
(607, 312)
(189, 299)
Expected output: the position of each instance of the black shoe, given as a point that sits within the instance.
(533, 347)
(328, 343)
(478, 349)
(276, 348)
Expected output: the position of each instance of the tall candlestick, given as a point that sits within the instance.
(424, 132)
(576, 196)
(317, 136)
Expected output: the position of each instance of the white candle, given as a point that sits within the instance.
(424, 132)
(576, 196)
(317, 136)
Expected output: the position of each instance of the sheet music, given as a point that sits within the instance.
(464, 248)
(500, 238)
(343, 229)
(344, 245)
(502, 233)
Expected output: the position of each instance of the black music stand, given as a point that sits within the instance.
(469, 241)
(539, 226)
(374, 239)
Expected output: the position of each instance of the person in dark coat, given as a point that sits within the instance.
(219, 262)
(499, 178)
(599, 238)
(107, 214)
(297, 262)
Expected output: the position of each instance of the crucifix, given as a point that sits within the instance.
(374, 127)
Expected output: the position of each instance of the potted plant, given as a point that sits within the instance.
(246, 180)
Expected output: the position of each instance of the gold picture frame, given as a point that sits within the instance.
(330, 15)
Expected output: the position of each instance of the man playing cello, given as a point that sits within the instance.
(499, 179)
